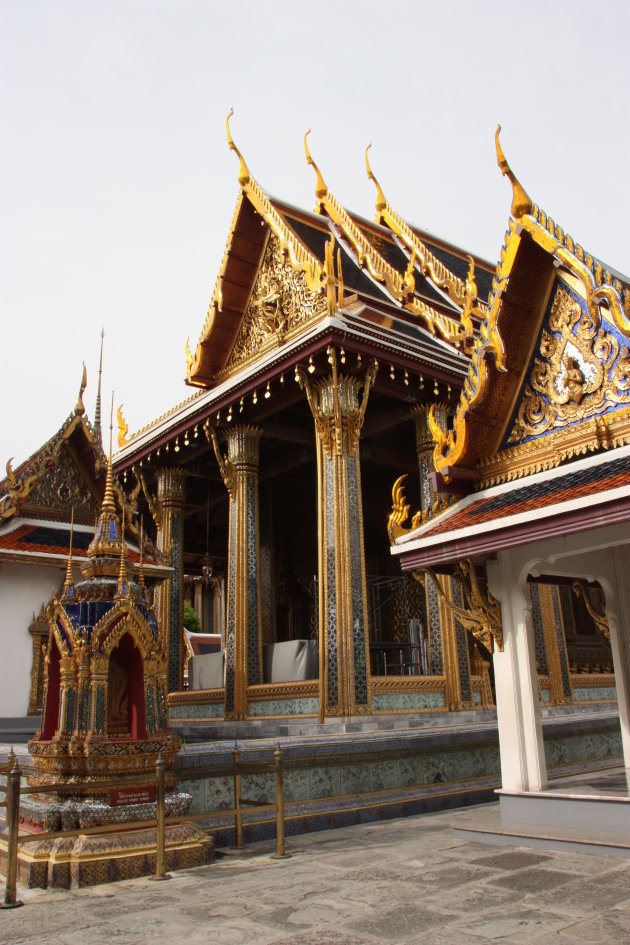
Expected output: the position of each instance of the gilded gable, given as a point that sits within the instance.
(279, 307)
(62, 487)
(581, 370)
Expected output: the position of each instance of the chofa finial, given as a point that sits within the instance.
(521, 202)
(320, 187)
(381, 203)
(243, 173)
(79, 407)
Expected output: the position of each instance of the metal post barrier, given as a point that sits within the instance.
(238, 816)
(13, 818)
(281, 852)
(160, 859)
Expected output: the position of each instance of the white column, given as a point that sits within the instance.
(618, 613)
(523, 766)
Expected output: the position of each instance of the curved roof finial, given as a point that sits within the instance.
(381, 203)
(79, 407)
(320, 187)
(243, 173)
(521, 202)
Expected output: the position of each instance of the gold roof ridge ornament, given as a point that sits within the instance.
(378, 267)
(298, 255)
(244, 176)
(460, 291)
(521, 201)
(321, 190)
(97, 408)
(79, 407)
(381, 202)
(68, 585)
(123, 427)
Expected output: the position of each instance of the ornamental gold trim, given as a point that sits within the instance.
(400, 287)
(306, 689)
(524, 459)
(197, 697)
(462, 292)
(384, 685)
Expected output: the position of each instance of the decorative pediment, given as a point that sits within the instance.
(280, 305)
(580, 370)
(62, 487)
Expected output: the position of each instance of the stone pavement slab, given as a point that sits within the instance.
(408, 881)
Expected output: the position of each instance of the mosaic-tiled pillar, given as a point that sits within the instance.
(67, 695)
(424, 448)
(171, 493)
(243, 638)
(448, 642)
(557, 661)
(343, 614)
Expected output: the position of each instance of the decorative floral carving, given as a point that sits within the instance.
(280, 302)
(582, 372)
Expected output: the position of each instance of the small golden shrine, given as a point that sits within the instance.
(104, 701)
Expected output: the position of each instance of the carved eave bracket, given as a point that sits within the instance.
(481, 615)
(600, 620)
(226, 467)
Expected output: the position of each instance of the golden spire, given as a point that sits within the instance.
(107, 533)
(79, 407)
(68, 586)
(320, 187)
(521, 202)
(97, 408)
(243, 173)
(381, 203)
(121, 590)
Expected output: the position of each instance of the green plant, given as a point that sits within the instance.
(191, 618)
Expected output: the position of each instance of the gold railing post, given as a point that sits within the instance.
(13, 818)
(238, 816)
(160, 815)
(281, 852)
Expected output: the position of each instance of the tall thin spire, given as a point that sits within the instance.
(97, 409)
(68, 585)
(122, 574)
(107, 534)
(141, 580)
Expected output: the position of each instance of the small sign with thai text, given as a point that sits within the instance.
(143, 794)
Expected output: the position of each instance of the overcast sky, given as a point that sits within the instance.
(117, 187)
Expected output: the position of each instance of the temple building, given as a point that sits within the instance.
(335, 350)
(539, 462)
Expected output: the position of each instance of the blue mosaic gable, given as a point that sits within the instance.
(611, 351)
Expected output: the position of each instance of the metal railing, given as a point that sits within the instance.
(14, 790)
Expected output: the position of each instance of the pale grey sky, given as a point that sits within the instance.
(117, 188)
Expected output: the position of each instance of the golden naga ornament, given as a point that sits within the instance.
(580, 589)
(481, 613)
(123, 427)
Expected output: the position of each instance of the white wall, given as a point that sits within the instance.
(23, 589)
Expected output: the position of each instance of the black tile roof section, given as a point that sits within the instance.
(354, 278)
(558, 484)
(394, 255)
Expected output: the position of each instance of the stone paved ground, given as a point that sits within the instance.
(410, 882)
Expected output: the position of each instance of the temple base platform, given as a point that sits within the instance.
(87, 860)
(583, 813)
(356, 770)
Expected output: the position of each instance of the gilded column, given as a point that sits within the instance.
(343, 613)
(448, 641)
(243, 638)
(171, 492)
